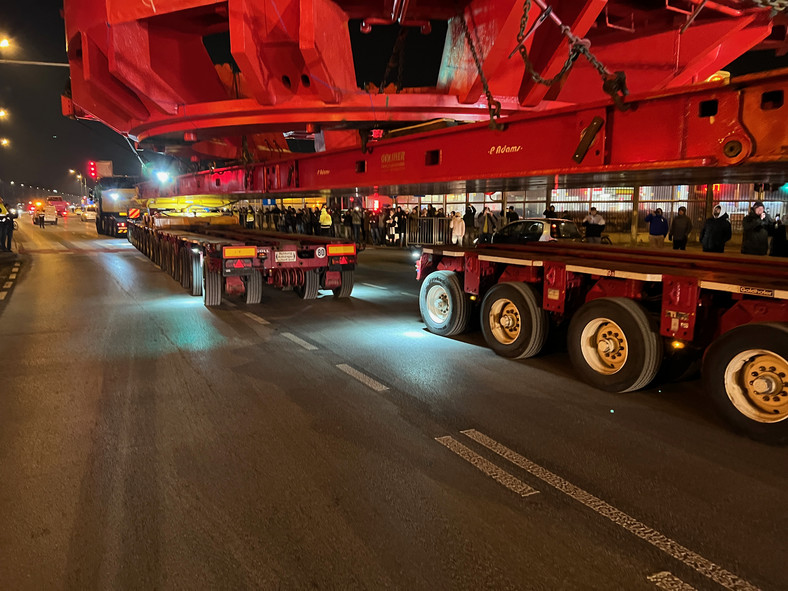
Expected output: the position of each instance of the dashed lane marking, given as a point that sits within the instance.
(670, 582)
(362, 377)
(407, 293)
(514, 484)
(3, 294)
(7, 284)
(375, 286)
(257, 319)
(670, 547)
(298, 341)
(12, 276)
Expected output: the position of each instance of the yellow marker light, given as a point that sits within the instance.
(239, 252)
(677, 344)
(340, 249)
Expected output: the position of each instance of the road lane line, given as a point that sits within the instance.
(375, 286)
(7, 284)
(670, 582)
(298, 341)
(407, 293)
(12, 276)
(670, 547)
(256, 318)
(3, 294)
(361, 377)
(501, 476)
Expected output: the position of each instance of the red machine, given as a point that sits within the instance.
(587, 91)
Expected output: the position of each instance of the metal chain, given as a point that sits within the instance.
(775, 5)
(493, 106)
(614, 84)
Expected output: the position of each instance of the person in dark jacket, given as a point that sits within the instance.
(657, 228)
(550, 212)
(680, 229)
(470, 222)
(511, 215)
(716, 231)
(757, 226)
(779, 240)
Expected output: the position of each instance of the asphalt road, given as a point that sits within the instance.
(147, 442)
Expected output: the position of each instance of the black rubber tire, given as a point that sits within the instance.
(449, 291)
(186, 267)
(196, 280)
(644, 350)
(308, 291)
(212, 288)
(254, 287)
(772, 337)
(346, 288)
(532, 320)
(99, 228)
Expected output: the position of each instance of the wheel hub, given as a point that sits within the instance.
(604, 346)
(505, 321)
(756, 382)
(438, 305)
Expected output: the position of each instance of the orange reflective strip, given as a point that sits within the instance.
(340, 249)
(239, 252)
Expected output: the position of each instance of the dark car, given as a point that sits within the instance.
(537, 230)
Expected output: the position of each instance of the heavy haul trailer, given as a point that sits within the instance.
(212, 260)
(626, 310)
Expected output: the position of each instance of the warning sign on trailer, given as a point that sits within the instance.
(285, 256)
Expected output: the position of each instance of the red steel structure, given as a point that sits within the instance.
(224, 80)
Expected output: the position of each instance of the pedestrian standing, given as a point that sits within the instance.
(401, 219)
(657, 228)
(779, 246)
(716, 231)
(470, 224)
(757, 226)
(325, 222)
(40, 213)
(511, 215)
(486, 224)
(457, 225)
(594, 225)
(6, 228)
(357, 218)
(550, 212)
(680, 229)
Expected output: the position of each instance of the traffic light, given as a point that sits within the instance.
(92, 173)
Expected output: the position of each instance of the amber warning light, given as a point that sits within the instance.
(239, 252)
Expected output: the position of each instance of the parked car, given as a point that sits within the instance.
(537, 230)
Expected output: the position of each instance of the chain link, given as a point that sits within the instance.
(493, 106)
(775, 5)
(614, 84)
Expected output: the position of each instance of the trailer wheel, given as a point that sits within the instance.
(212, 287)
(614, 345)
(746, 375)
(254, 287)
(186, 267)
(308, 291)
(514, 325)
(344, 290)
(443, 304)
(196, 280)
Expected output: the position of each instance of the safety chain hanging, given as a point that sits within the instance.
(775, 5)
(614, 84)
(493, 106)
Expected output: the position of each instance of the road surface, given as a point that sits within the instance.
(148, 442)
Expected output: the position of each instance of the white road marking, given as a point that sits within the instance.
(12, 276)
(361, 377)
(298, 341)
(515, 485)
(3, 294)
(256, 318)
(670, 547)
(375, 286)
(670, 582)
(406, 293)
(7, 284)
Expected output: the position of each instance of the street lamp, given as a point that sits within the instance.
(3, 113)
(4, 142)
(4, 42)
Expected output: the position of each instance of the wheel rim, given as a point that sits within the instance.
(505, 322)
(604, 346)
(438, 304)
(756, 382)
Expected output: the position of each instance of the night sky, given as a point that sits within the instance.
(43, 143)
